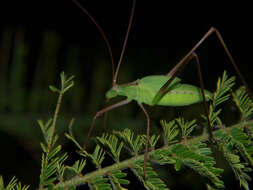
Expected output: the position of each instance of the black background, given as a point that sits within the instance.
(168, 29)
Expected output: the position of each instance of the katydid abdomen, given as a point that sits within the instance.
(144, 90)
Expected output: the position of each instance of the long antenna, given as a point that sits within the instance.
(101, 32)
(124, 45)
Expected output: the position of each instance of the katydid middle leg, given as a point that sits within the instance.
(203, 95)
(106, 114)
(101, 112)
(192, 56)
(147, 139)
(195, 56)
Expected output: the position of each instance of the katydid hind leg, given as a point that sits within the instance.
(195, 56)
(147, 139)
(203, 95)
(184, 61)
(101, 112)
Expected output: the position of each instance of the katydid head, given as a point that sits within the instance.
(116, 90)
(111, 93)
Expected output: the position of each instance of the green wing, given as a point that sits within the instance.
(166, 86)
(180, 95)
(183, 95)
(150, 85)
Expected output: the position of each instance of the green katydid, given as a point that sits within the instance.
(165, 90)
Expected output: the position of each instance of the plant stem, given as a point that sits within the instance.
(54, 120)
(52, 130)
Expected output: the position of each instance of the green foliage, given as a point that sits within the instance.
(180, 149)
(12, 185)
(153, 140)
(117, 179)
(99, 183)
(196, 156)
(234, 144)
(201, 163)
(186, 127)
(245, 106)
(52, 167)
(221, 95)
(133, 145)
(97, 157)
(110, 142)
(77, 167)
(224, 85)
(170, 130)
(50, 164)
(243, 102)
(152, 181)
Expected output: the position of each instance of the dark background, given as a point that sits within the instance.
(56, 36)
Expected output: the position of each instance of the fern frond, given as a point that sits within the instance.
(199, 161)
(116, 179)
(229, 143)
(60, 171)
(152, 140)
(214, 116)
(78, 166)
(221, 95)
(242, 144)
(20, 187)
(132, 144)
(243, 102)
(170, 130)
(72, 138)
(12, 185)
(97, 157)
(66, 83)
(186, 127)
(224, 85)
(54, 152)
(163, 156)
(44, 128)
(237, 167)
(152, 181)
(52, 163)
(50, 166)
(111, 143)
(99, 183)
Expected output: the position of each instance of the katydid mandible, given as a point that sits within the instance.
(165, 90)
